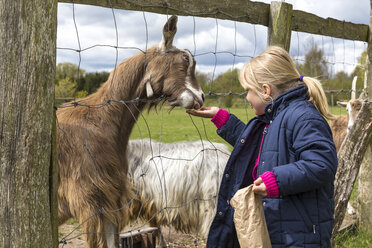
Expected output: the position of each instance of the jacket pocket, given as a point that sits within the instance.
(298, 204)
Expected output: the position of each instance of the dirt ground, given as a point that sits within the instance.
(74, 238)
(173, 239)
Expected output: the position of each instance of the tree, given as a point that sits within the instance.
(65, 88)
(203, 80)
(227, 83)
(315, 65)
(67, 76)
(72, 81)
(341, 83)
(90, 82)
(81, 94)
(360, 70)
(69, 70)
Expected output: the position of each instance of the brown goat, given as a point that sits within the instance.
(339, 128)
(342, 124)
(93, 134)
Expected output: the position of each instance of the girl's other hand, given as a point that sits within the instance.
(206, 112)
(259, 187)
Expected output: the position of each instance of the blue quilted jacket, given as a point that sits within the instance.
(299, 149)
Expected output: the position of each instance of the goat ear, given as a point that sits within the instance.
(169, 31)
(342, 104)
(149, 90)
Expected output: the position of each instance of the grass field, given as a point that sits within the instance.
(353, 238)
(177, 125)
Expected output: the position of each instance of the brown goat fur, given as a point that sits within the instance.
(342, 123)
(93, 134)
(355, 106)
(339, 128)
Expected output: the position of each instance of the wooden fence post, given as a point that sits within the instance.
(365, 192)
(365, 173)
(350, 157)
(27, 73)
(280, 25)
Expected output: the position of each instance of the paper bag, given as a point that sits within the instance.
(249, 219)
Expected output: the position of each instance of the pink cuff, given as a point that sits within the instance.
(269, 180)
(220, 118)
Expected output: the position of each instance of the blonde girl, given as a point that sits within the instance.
(286, 151)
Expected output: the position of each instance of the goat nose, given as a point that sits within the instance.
(197, 105)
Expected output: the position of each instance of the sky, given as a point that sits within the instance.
(218, 45)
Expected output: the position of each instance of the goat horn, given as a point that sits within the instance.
(353, 88)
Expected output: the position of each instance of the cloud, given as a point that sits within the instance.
(341, 55)
(217, 44)
(347, 10)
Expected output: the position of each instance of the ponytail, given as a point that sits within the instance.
(275, 67)
(317, 96)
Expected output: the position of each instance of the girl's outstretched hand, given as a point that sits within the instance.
(206, 112)
(259, 187)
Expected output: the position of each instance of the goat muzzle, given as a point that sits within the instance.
(197, 104)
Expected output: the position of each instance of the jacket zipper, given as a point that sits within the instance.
(255, 168)
(263, 140)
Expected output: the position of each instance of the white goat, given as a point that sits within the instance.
(177, 183)
(342, 124)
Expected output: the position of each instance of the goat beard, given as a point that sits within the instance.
(170, 109)
(172, 101)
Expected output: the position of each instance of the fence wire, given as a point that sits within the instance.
(155, 155)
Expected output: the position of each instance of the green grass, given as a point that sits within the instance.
(353, 238)
(177, 125)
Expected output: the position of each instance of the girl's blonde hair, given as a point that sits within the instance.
(276, 68)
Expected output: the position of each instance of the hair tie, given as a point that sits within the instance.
(301, 77)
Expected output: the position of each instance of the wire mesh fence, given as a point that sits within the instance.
(177, 182)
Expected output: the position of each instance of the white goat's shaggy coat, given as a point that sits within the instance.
(177, 183)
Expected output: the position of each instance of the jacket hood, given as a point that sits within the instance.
(282, 101)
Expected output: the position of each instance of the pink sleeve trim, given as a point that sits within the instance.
(271, 185)
(220, 118)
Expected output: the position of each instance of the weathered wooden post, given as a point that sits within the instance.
(27, 74)
(365, 173)
(280, 25)
(350, 157)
